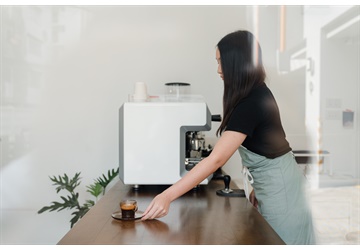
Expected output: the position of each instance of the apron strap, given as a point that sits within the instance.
(247, 178)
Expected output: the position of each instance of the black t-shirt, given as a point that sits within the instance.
(257, 116)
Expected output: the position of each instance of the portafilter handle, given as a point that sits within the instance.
(216, 118)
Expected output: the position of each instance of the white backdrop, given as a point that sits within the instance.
(62, 88)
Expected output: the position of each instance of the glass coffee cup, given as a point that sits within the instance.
(128, 209)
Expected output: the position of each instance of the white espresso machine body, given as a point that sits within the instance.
(152, 139)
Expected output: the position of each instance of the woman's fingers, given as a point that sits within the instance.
(158, 208)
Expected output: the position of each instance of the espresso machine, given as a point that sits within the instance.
(162, 138)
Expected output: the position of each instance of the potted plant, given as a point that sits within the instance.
(71, 201)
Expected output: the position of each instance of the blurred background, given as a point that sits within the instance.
(66, 70)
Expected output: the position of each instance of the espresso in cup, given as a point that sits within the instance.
(128, 209)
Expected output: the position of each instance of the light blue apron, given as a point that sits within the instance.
(279, 187)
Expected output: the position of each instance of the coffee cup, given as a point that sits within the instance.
(128, 209)
(140, 93)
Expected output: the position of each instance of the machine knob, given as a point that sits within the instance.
(227, 180)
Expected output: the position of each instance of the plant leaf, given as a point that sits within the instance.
(95, 189)
(78, 215)
(63, 182)
(106, 180)
(69, 203)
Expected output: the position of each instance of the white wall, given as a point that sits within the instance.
(82, 79)
(60, 98)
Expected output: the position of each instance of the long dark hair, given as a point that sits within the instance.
(242, 69)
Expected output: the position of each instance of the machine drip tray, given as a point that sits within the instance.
(191, 162)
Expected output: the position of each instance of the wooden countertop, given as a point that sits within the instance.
(198, 217)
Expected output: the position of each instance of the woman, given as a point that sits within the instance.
(251, 124)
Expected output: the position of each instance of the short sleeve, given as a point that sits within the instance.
(245, 118)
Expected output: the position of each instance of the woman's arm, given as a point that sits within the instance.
(228, 143)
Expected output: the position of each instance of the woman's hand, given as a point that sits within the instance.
(159, 207)
(253, 199)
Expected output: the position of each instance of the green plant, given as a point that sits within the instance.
(71, 201)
